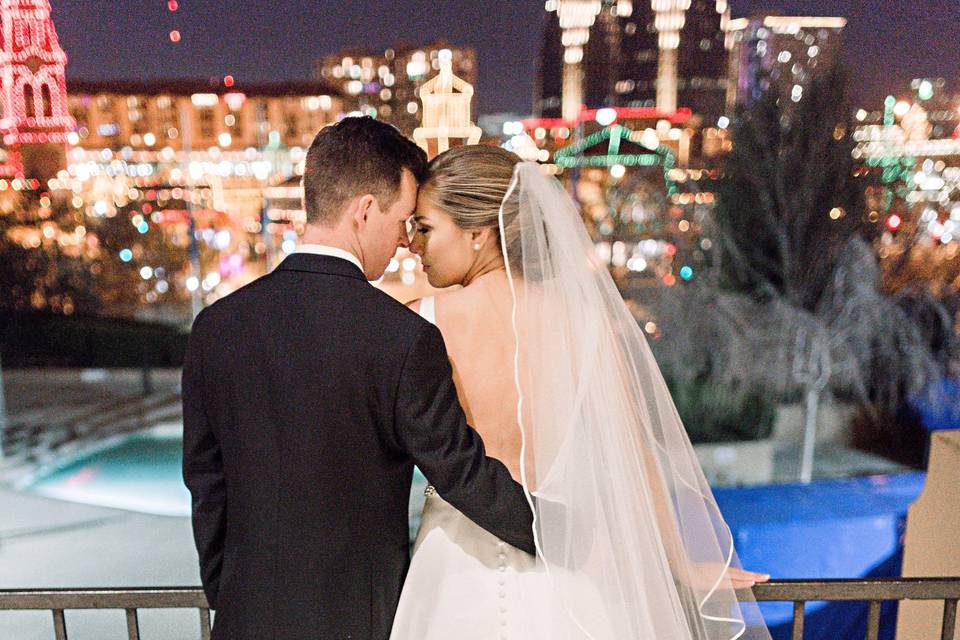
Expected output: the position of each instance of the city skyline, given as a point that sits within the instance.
(885, 44)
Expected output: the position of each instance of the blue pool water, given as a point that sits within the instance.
(139, 472)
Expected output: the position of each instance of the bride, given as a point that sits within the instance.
(556, 376)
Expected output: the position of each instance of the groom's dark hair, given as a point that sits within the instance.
(354, 157)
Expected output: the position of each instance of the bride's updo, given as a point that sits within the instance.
(468, 183)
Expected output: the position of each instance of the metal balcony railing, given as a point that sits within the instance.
(59, 600)
(872, 591)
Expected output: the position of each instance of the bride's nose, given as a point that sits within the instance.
(415, 246)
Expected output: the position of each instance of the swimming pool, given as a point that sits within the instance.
(141, 472)
(136, 472)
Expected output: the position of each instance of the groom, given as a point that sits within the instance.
(308, 396)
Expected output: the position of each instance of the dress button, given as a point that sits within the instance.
(503, 569)
(503, 594)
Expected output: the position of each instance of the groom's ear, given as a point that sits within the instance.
(363, 207)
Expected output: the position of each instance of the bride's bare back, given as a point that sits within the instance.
(476, 326)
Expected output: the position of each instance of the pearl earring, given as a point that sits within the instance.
(476, 246)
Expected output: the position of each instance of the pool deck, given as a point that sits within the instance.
(50, 543)
(46, 542)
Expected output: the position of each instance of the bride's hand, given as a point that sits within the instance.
(743, 579)
(706, 573)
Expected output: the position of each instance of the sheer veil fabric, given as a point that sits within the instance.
(624, 518)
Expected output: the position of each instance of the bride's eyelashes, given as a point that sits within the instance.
(423, 230)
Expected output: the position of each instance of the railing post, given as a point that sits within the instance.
(949, 619)
(204, 624)
(59, 624)
(873, 620)
(133, 626)
(797, 620)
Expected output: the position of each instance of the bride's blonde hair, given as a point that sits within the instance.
(468, 183)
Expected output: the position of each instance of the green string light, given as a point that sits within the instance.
(572, 156)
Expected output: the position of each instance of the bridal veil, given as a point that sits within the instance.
(622, 508)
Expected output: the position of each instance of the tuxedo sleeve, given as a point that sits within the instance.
(432, 428)
(203, 472)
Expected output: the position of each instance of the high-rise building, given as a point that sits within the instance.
(548, 92)
(783, 52)
(384, 85)
(618, 53)
(34, 120)
(364, 78)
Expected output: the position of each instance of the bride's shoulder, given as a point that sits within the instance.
(457, 304)
(462, 306)
(454, 299)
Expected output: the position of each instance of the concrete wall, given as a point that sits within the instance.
(932, 543)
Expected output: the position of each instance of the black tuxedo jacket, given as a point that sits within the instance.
(308, 396)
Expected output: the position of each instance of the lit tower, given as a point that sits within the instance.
(644, 53)
(576, 17)
(34, 121)
(670, 18)
(446, 111)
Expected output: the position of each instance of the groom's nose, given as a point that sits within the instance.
(404, 239)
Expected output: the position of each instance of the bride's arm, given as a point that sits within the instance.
(686, 570)
(432, 428)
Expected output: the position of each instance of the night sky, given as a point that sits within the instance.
(886, 42)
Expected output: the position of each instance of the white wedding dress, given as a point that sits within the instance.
(464, 583)
(630, 541)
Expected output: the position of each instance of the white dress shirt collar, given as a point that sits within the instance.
(324, 250)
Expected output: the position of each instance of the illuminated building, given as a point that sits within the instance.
(940, 109)
(385, 85)
(35, 121)
(911, 150)
(644, 180)
(181, 173)
(610, 53)
(366, 80)
(154, 115)
(784, 52)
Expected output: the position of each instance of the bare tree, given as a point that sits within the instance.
(793, 300)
